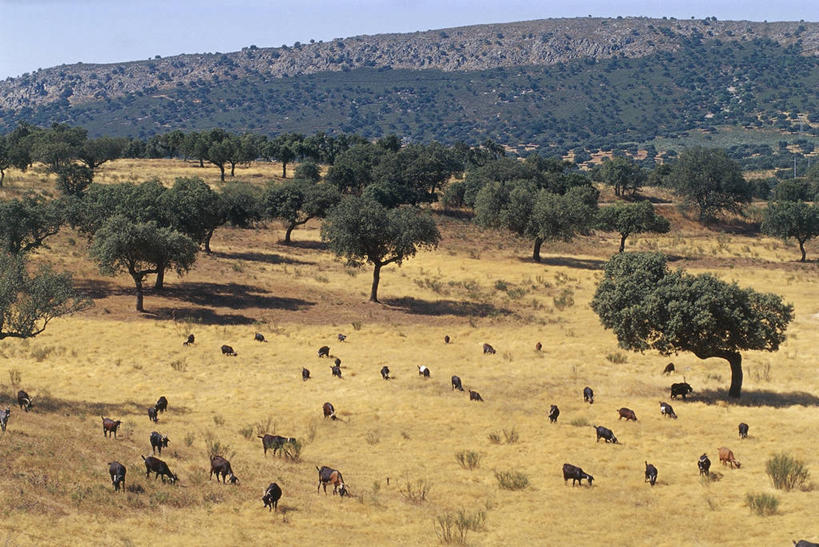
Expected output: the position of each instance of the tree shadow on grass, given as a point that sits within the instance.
(267, 258)
(312, 245)
(232, 295)
(570, 262)
(97, 289)
(445, 307)
(48, 403)
(202, 316)
(759, 397)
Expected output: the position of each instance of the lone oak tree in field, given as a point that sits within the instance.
(140, 248)
(649, 307)
(631, 218)
(362, 230)
(622, 174)
(29, 302)
(296, 202)
(792, 219)
(711, 180)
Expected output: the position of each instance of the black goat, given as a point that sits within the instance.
(271, 496)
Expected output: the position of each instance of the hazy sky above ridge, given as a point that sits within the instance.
(44, 33)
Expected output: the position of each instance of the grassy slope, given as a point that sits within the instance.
(112, 362)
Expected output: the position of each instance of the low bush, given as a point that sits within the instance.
(512, 480)
(468, 459)
(762, 504)
(786, 472)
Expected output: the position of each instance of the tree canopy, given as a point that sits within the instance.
(631, 218)
(296, 202)
(792, 219)
(29, 302)
(622, 174)
(26, 223)
(362, 230)
(140, 248)
(650, 307)
(710, 180)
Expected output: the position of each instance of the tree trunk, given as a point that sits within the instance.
(222, 172)
(2, 177)
(290, 228)
(376, 279)
(801, 244)
(202, 162)
(138, 283)
(284, 169)
(232, 168)
(735, 360)
(160, 277)
(207, 242)
(536, 251)
(616, 189)
(623, 242)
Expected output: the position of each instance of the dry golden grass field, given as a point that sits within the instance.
(476, 287)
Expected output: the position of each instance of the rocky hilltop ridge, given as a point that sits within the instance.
(478, 47)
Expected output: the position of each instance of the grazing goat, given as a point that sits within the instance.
(158, 441)
(651, 473)
(667, 410)
(704, 464)
(24, 400)
(328, 475)
(4, 418)
(274, 442)
(155, 465)
(488, 349)
(447, 339)
(336, 369)
(110, 426)
(152, 414)
(423, 371)
(669, 368)
(329, 411)
(259, 337)
(743, 430)
(681, 389)
(726, 456)
(117, 472)
(554, 412)
(341, 337)
(227, 350)
(576, 474)
(161, 404)
(221, 466)
(538, 346)
(385, 372)
(604, 433)
(588, 395)
(324, 351)
(804, 543)
(337, 362)
(189, 341)
(475, 396)
(305, 374)
(627, 413)
(271, 496)
(456, 383)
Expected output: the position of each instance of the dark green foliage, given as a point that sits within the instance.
(73, 179)
(26, 223)
(362, 230)
(649, 307)
(631, 218)
(622, 174)
(57, 146)
(308, 170)
(192, 208)
(95, 152)
(241, 204)
(29, 302)
(140, 248)
(710, 180)
(296, 202)
(792, 219)
(353, 168)
(792, 190)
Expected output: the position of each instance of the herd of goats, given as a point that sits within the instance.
(222, 469)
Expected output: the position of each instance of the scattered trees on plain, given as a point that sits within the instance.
(650, 307)
(296, 202)
(792, 219)
(710, 180)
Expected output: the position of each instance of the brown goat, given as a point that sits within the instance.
(110, 426)
(627, 413)
(726, 456)
(329, 411)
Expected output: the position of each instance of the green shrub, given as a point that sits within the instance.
(579, 422)
(292, 450)
(617, 358)
(494, 437)
(246, 432)
(512, 480)
(786, 472)
(417, 491)
(762, 504)
(453, 527)
(511, 435)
